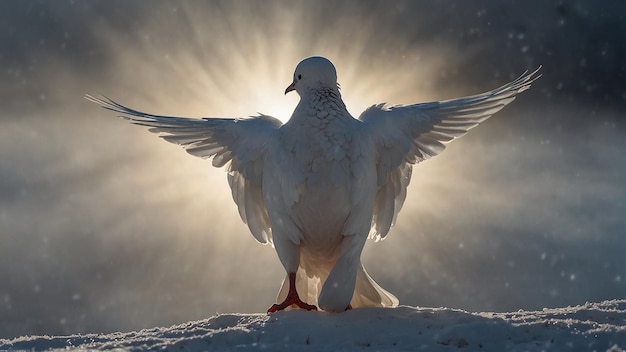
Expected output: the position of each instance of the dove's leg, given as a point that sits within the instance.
(292, 298)
(338, 289)
(289, 255)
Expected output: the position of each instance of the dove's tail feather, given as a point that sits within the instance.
(367, 293)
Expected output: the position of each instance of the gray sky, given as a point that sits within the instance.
(104, 227)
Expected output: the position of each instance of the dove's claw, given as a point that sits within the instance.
(292, 298)
(288, 302)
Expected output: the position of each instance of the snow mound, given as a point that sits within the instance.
(592, 326)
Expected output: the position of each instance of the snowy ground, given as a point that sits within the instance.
(590, 327)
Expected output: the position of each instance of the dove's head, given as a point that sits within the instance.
(313, 72)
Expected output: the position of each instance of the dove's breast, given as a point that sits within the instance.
(319, 172)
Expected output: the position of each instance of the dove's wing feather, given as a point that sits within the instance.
(406, 135)
(239, 143)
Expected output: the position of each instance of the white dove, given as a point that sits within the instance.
(317, 186)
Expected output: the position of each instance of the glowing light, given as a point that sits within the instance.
(224, 65)
(221, 64)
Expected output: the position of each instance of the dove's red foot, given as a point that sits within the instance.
(292, 298)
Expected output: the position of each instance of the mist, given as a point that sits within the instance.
(104, 227)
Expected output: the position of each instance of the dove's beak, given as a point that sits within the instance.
(291, 87)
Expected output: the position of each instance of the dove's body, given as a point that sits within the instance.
(319, 185)
(321, 203)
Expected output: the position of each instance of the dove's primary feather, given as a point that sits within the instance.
(318, 185)
(406, 135)
(240, 143)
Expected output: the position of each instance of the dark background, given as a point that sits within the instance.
(103, 227)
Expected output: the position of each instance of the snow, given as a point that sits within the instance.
(589, 327)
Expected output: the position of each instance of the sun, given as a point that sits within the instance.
(228, 67)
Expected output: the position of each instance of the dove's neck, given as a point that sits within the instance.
(322, 102)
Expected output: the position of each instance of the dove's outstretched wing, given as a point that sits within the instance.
(406, 135)
(239, 143)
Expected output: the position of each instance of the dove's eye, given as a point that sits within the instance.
(299, 77)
